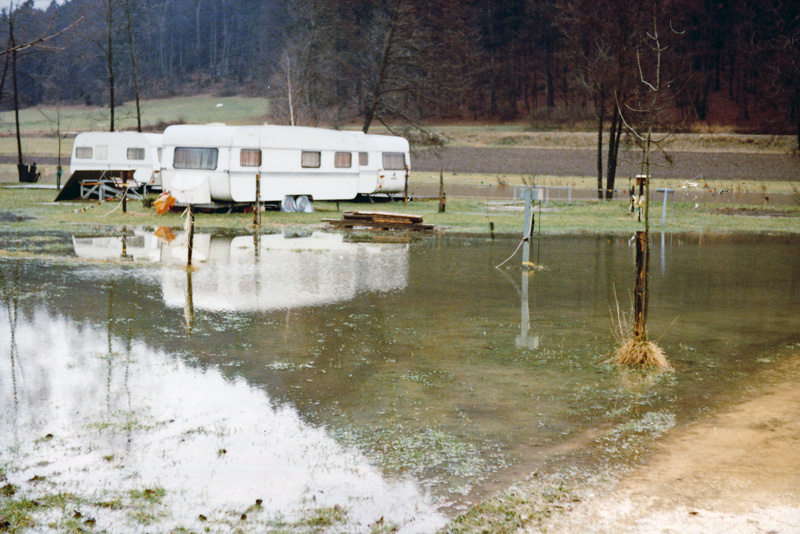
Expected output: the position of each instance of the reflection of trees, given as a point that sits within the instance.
(9, 288)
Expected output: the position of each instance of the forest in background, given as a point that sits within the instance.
(612, 65)
(340, 61)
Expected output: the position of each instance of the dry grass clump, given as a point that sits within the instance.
(634, 351)
(640, 353)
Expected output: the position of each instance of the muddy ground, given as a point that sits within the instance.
(736, 472)
(574, 162)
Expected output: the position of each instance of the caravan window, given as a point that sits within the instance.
(394, 162)
(83, 152)
(363, 159)
(343, 160)
(195, 158)
(136, 153)
(250, 157)
(310, 160)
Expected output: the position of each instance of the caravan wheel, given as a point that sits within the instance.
(303, 204)
(288, 204)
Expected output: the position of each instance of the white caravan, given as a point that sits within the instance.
(216, 163)
(383, 164)
(114, 152)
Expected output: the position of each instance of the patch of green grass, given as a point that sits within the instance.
(321, 518)
(192, 110)
(524, 506)
(49, 233)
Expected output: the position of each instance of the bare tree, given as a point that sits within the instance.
(654, 98)
(603, 39)
(133, 65)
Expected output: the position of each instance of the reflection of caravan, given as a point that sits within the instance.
(267, 272)
(382, 164)
(138, 246)
(284, 273)
(218, 163)
(108, 157)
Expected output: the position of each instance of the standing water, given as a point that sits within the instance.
(308, 380)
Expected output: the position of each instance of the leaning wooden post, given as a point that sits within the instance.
(441, 190)
(257, 206)
(639, 291)
(190, 222)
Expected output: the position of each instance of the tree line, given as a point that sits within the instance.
(407, 62)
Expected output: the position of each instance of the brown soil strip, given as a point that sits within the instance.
(738, 472)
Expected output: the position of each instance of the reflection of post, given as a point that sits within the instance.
(190, 223)
(188, 309)
(124, 256)
(639, 289)
(522, 341)
(10, 298)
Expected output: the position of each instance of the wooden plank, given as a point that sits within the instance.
(379, 215)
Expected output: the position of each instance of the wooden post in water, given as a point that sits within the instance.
(257, 205)
(190, 222)
(441, 190)
(640, 289)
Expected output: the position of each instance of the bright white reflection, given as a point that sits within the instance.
(267, 272)
(129, 418)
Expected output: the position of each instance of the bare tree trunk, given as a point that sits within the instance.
(16, 93)
(110, 57)
(133, 66)
(796, 113)
(613, 150)
(600, 126)
(376, 91)
(548, 68)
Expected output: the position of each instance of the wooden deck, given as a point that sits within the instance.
(377, 220)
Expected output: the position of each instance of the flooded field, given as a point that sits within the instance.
(301, 381)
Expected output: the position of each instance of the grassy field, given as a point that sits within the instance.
(472, 217)
(45, 121)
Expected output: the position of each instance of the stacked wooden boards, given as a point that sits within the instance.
(376, 220)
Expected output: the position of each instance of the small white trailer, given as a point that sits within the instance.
(102, 163)
(383, 164)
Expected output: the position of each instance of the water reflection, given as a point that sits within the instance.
(261, 272)
(433, 364)
(102, 416)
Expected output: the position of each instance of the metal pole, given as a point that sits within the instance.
(664, 208)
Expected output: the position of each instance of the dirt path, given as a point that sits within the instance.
(738, 472)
